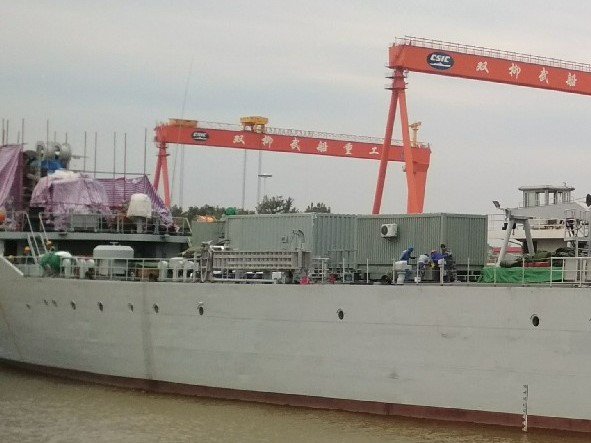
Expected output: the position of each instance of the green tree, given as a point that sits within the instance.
(276, 205)
(176, 211)
(194, 211)
(318, 207)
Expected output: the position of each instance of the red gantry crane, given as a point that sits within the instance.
(253, 134)
(469, 62)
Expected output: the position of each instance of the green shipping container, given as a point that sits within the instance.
(330, 236)
(463, 234)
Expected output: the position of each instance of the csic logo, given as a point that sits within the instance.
(200, 136)
(440, 60)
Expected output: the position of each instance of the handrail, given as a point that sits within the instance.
(44, 237)
(303, 133)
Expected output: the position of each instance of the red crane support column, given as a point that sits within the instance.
(162, 165)
(416, 194)
(415, 179)
(377, 202)
(413, 205)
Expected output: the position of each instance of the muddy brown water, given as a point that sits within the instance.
(38, 408)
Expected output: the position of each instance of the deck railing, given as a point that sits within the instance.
(96, 222)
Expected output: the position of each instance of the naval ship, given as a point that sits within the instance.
(311, 310)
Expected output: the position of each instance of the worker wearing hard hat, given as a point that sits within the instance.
(27, 258)
(49, 245)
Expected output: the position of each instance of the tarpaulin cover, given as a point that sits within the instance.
(66, 192)
(11, 183)
(493, 274)
(120, 190)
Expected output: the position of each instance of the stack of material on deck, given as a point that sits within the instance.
(66, 192)
(120, 190)
(11, 179)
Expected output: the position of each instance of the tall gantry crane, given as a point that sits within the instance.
(253, 134)
(469, 62)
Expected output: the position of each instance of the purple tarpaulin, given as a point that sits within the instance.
(11, 179)
(66, 192)
(119, 191)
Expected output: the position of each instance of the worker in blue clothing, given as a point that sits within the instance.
(407, 255)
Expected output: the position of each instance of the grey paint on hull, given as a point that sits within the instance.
(464, 347)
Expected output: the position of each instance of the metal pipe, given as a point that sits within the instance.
(124, 162)
(259, 172)
(95, 148)
(114, 151)
(145, 150)
(84, 160)
(244, 158)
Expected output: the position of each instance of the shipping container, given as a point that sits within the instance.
(463, 234)
(329, 236)
(206, 231)
(357, 241)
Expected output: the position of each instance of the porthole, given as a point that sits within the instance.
(156, 308)
(200, 309)
(340, 314)
(100, 306)
(130, 307)
(54, 303)
(73, 305)
(535, 320)
(28, 306)
(46, 302)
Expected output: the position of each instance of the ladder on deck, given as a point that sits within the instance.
(37, 241)
(576, 231)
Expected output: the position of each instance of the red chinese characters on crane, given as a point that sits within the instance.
(188, 132)
(297, 142)
(494, 66)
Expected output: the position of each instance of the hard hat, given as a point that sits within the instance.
(49, 243)
(27, 249)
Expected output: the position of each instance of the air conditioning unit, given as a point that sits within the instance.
(389, 230)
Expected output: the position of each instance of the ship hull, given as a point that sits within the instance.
(462, 353)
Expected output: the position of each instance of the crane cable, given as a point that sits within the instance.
(182, 162)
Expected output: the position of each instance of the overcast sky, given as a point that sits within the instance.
(121, 66)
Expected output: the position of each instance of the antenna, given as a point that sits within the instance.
(95, 145)
(84, 161)
(114, 151)
(124, 162)
(145, 149)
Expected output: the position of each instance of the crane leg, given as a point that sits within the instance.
(162, 167)
(420, 183)
(377, 202)
(414, 204)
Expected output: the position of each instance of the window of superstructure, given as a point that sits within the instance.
(531, 198)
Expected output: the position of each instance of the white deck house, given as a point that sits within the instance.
(548, 206)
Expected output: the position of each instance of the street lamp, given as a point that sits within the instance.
(264, 176)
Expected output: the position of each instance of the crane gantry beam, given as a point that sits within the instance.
(220, 135)
(475, 63)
